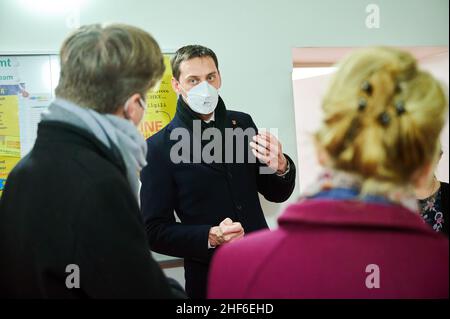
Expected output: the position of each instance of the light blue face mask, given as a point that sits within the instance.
(202, 98)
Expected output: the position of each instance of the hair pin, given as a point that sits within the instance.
(384, 119)
(400, 107)
(362, 104)
(367, 88)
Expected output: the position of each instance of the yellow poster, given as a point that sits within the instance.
(162, 104)
(9, 146)
(9, 126)
(6, 166)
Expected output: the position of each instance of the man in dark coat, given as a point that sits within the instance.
(210, 176)
(70, 224)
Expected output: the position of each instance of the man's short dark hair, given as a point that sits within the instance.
(102, 66)
(190, 52)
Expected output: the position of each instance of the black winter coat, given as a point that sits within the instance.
(69, 203)
(202, 195)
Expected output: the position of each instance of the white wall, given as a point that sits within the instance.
(253, 38)
(308, 93)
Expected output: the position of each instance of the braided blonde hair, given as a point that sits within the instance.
(383, 118)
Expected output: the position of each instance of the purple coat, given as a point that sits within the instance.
(336, 249)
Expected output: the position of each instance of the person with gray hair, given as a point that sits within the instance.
(70, 223)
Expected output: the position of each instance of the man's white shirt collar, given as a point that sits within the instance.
(213, 118)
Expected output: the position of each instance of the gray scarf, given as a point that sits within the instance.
(108, 129)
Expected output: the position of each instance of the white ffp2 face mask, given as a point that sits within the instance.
(203, 98)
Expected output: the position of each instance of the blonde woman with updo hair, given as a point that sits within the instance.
(358, 232)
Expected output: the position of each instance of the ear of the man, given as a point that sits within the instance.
(134, 103)
(176, 86)
(220, 79)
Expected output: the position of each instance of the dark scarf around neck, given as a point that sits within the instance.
(188, 116)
